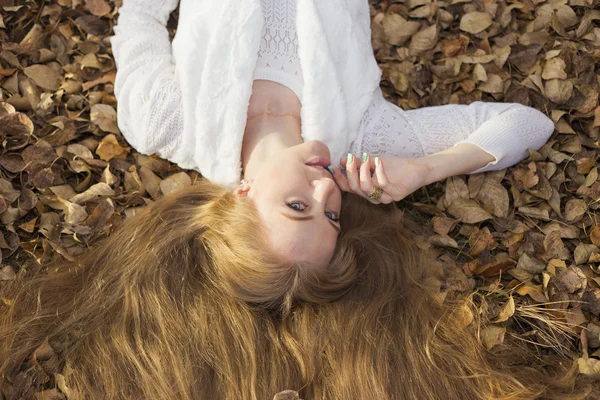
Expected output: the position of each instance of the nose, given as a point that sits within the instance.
(324, 187)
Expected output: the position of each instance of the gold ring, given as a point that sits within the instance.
(376, 193)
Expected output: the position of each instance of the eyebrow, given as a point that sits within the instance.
(307, 217)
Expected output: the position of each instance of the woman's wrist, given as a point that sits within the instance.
(460, 159)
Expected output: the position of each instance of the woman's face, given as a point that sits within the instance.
(299, 203)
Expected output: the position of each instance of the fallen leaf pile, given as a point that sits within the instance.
(520, 237)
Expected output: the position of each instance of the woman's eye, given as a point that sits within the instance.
(297, 206)
(332, 216)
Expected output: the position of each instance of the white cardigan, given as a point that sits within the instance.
(188, 101)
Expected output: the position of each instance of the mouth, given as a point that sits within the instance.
(321, 162)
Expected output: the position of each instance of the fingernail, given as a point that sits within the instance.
(350, 157)
(330, 170)
(377, 161)
(364, 157)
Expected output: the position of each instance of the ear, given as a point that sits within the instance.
(242, 190)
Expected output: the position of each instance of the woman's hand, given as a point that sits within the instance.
(397, 177)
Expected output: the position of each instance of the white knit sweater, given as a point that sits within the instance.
(187, 101)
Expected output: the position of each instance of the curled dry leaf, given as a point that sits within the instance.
(109, 148)
(98, 7)
(44, 76)
(398, 30)
(475, 22)
(105, 117)
(423, 40)
(589, 366)
(492, 336)
(507, 311)
(558, 90)
(175, 182)
(15, 130)
(99, 189)
(574, 210)
(554, 68)
(468, 211)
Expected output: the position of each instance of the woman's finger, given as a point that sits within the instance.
(352, 173)
(340, 179)
(383, 182)
(366, 183)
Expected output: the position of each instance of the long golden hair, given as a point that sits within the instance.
(184, 302)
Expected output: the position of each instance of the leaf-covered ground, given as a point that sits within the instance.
(520, 237)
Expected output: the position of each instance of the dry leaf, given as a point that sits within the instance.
(507, 311)
(44, 76)
(574, 210)
(175, 182)
(97, 7)
(558, 90)
(589, 366)
(475, 22)
(468, 211)
(398, 30)
(109, 148)
(105, 117)
(423, 40)
(492, 335)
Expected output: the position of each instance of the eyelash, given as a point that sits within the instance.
(290, 205)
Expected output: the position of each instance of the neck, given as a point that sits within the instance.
(265, 136)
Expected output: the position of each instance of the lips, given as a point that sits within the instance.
(319, 162)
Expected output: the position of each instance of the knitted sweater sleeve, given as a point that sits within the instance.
(149, 103)
(504, 130)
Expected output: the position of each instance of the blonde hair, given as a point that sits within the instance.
(184, 301)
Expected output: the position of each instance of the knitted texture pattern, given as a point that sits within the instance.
(505, 130)
(150, 112)
(278, 58)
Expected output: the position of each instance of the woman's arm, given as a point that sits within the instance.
(149, 105)
(503, 130)
(426, 145)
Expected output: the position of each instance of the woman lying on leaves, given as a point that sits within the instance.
(238, 292)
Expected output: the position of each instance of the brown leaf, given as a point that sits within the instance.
(479, 240)
(558, 90)
(468, 211)
(583, 251)
(455, 188)
(475, 22)
(105, 117)
(109, 148)
(441, 225)
(595, 235)
(493, 198)
(554, 68)
(443, 241)
(507, 311)
(398, 30)
(98, 7)
(44, 76)
(530, 264)
(574, 210)
(99, 189)
(572, 279)
(492, 335)
(175, 182)
(494, 268)
(589, 366)
(423, 40)
(533, 291)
